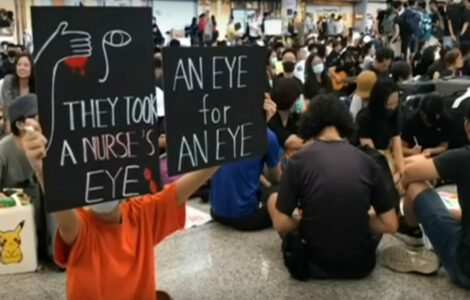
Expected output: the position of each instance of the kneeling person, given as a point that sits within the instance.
(334, 185)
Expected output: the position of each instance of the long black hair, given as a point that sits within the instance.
(379, 97)
(16, 79)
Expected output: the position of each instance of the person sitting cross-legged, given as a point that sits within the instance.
(238, 198)
(448, 230)
(340, 192)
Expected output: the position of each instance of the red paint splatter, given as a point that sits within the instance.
(153, 187)
(77, 64)
(147, 174)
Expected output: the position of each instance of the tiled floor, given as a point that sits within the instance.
(213, 262)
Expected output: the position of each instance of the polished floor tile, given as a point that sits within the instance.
(213, 262)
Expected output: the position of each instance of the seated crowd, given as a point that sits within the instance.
(347, 162)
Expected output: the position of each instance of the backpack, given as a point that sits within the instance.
(412, 21)
(388, 24)
(426, 27)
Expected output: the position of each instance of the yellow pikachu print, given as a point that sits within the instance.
(10, 245)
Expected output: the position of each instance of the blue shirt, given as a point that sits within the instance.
(235, 187)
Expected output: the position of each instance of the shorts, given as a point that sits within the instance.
(259, 219)
(444, 232)
(302, 264)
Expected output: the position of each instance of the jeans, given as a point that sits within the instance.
(444, 232)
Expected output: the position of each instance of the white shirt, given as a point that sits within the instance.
(160, 102)
(356, 105)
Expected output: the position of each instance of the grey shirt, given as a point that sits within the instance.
(9, 93)
(15, 170)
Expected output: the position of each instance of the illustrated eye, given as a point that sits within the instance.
(117, 38)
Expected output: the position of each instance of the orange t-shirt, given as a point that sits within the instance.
(116, 261)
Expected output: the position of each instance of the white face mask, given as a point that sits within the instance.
(104, 208)
(318, 69)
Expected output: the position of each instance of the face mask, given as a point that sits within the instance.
(270, 83)
(273, 61)
(318, 69)
(288, 66)
(106, 207)
(12, 53)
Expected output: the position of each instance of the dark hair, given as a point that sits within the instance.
(13, 128)
(289, 50)
(269, 52)
(278, 45)
(222, 43)
(238, 26)
(308, 64)
(432, 105)
(367, 48)
(379, 96)
(422, 4)
(285, 92)
(451, 57)
(157, 50)
(397, 4)
(336, 44)
(411, 2)
(16, 80)
(384, 54)
(325, 111)
(175, 43)
(321, 49)
(433, 2)
(401, 70)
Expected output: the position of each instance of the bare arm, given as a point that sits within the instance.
(408, 151)
(398, 154)
(451, 29)
(275, 173)
(383, 223)
(34, 145)
(367, 142)
(282, 223)
(189, 183)
(437, 150)
(294, 142)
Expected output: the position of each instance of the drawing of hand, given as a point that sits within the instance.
(72, 43)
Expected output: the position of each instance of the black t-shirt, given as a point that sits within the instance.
(379, 130)
(283, 132)
(400, 21)
(455, 165)
(427, 137)
(314, 88)
(455, 16)
(334, 222)
(466, 19)
(439, 67)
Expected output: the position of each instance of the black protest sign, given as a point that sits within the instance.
(213, 105)
(97, 103)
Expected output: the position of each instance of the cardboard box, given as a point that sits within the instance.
(18, 239)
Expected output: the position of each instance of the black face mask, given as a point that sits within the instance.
(11, 53)
(288, 66)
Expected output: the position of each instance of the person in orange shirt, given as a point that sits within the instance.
(108, 250)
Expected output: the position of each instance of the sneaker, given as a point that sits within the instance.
(410, 235)
(403, 260)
